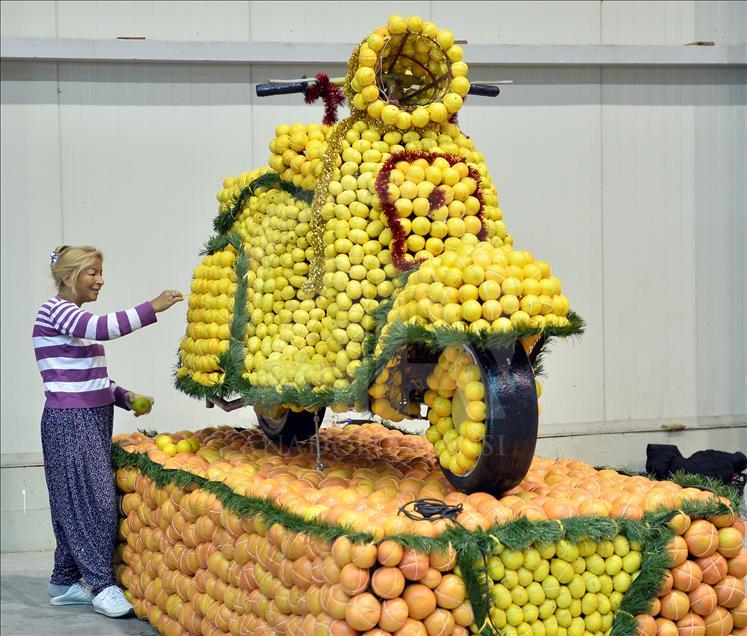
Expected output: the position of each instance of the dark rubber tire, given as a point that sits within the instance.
(291, 428)
(511, 419)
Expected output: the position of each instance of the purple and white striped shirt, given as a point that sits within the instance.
(71, 363)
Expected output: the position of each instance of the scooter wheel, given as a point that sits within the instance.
(511, 418)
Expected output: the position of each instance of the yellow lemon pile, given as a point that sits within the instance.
(329, 206)
(428, 223)
(546, 588)
(456, 410)
(209, 316)
(297, 151)
(292, 338)
(482, 288)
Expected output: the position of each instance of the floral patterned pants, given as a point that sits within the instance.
(82, 495)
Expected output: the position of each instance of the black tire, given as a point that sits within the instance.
(289, 428)
(511, 419)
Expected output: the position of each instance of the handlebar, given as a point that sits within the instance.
(486, 90)
(274, 88)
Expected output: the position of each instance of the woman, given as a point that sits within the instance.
(76, 426)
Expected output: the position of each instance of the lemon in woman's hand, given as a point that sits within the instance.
(141, 405)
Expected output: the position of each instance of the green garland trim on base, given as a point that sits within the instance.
(692, 480)
(472, 547)
(225, 220)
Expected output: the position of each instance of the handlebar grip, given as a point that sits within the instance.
(487, 90)
(271, 88)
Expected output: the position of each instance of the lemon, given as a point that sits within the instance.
(460, 84)
(474, 391)
(162, 440)
(437, 112)
(473, 431)
(390, 114)
(476, 410)
(455, 53)
(169, 449)
(367, 56)
(445, 39)
(453, 102)
(376, 42)
(415, 24)
(141, 405)
(184, 446)
(420, 117)
(396, 24)
(471, 311)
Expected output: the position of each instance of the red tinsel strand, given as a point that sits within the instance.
(398, 234)
(399, 258)
(436, 198)
(331, 95)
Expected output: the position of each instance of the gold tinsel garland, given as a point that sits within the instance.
(316, 234)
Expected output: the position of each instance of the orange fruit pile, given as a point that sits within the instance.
(191, 567)
(371, 471)
(703, 593)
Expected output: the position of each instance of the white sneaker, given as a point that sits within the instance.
(111, 602)
(56, 590)
(76, 594)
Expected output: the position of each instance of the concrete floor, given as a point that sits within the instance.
(26, 610)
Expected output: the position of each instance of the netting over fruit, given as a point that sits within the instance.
(306, 284)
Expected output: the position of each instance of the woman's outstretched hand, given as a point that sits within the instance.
(139, 404)
(167, 298)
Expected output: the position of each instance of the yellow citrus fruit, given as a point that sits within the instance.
(490, 290)
(471, 310)
(474, 391)
(162, 440)
(476, 410)
(183, 446)
(141, 404)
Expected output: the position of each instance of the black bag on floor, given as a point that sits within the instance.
(664, 459)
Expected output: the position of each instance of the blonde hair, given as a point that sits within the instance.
(70, 261)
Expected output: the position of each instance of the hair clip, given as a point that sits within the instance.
(53, 257)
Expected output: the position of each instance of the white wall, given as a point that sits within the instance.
(629, 180)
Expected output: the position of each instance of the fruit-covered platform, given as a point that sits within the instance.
(234, 535)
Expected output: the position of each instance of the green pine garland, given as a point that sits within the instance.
(225, 220)
(233, 362)
(472, 547)
(708, 483)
